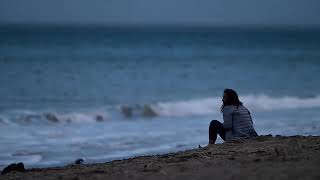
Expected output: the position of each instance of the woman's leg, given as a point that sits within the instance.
(215, 128)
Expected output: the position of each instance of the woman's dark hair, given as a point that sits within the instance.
(232, 99)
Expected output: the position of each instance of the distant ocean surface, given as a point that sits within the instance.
(111, 93)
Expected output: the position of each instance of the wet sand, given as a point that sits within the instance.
(263, 157)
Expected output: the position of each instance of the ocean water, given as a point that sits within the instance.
(111, 93)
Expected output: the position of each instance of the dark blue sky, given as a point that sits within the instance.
(155, 12)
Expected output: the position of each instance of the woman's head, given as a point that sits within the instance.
(230, 97)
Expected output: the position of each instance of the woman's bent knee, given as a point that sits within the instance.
(213, 123)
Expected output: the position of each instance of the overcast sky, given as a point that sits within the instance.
(154, 12)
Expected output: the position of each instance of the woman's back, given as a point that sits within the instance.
(238, 120)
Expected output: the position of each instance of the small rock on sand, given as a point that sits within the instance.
(78, 161)
(14, 167)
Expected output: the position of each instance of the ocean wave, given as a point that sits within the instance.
(193, 107)
(259, 103)
(207, 106)
(26, 117)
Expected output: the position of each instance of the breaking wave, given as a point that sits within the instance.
(254, 102)
(193, 107)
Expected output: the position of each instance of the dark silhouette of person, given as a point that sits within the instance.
(237, 121)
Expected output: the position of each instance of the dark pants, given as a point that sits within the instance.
(215, 128)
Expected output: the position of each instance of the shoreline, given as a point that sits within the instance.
(262, 157)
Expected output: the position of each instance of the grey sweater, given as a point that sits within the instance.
(238, 123)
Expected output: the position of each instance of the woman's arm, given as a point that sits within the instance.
(227, 117)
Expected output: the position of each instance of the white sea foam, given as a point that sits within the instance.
(263, 102)
(187, 108)
(253, 102)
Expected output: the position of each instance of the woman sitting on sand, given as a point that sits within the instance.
(237, 122)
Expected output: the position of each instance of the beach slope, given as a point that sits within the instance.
(263, 157)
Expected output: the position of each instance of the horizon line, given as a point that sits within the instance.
(159, 25)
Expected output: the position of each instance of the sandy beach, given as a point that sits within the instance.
(263, 157)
